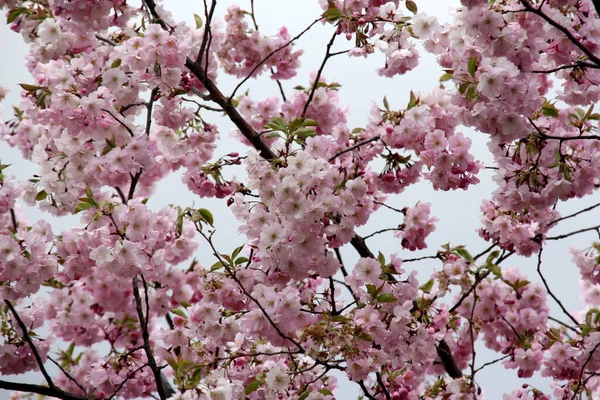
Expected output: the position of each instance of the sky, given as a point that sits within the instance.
(458, 211)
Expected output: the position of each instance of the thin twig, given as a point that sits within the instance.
(566, 235)
(478, 279)
(487, 364)
(381, 231)
(580, 64)
(119, 121)
(354, 147)
(583, 369)
(539, 271)
(271, 54)
(574, 214)
(105, 40)
(69, 376)
(27, 338)
(319, 72)
(551, 318)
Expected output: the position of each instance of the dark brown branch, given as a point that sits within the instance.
(27, 338)
(539, 271)
(68, 375)
(368, 395)
(583, 369)
(574, 214)
(319, 72)
(121, 195)
(579, 64)
(218, 97)
(134, 181)
(146, 337)
(105, 40)
(119, 121)
(468, 292)
(381, 231)
(207, 30)
(566, 235)
(151, 4)
(353, 147)
(38, 389)
(360, 246)
(567, 138)
(382, 386)
(564, 30)
(13, 220)
(447, 360)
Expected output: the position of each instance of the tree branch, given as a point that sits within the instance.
(146, 337)
(38, 359)
(564, 30)
(42, 390)
(271, 54)
(539, 271)
(235, 117)
(353, 147)
(319, 72)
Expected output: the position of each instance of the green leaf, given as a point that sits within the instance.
(237, 251)
(365, 336)
(179, 222)
(471, 92)
(412, 6)
(30, 88)
(445, 77)
(207, 216)
(216, 266)
(493, 255)
(241, 260)
(472, 66)
(385, 103)
(198, 21)
(82, 206)
(465, 254)
(414, 101)
(462, 88)
(253, 386)
(179, 312)
(549, 110)
(427, 286)
(116, 63)
(304, 395)
(305, 133)
(372, 290)
(277, 124)
(496, 270)
(14, 13)
(381, 259)
(41, 195)
(386, 298)
(332, 14)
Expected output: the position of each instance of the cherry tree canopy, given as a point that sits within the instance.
(122, 94)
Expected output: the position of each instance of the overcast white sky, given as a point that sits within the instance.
(458, 211)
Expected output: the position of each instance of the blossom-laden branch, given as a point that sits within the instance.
(51, 390)
(591, 56)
